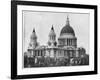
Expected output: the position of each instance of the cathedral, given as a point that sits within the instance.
(63, 52)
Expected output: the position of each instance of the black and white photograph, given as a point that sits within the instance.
(53, 39)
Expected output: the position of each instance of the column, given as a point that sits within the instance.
(33, 52)
(71, 42)
(41, 53)
(68, 41)
(74, 42)
(66, 53)
(38, 52)
(44, 52)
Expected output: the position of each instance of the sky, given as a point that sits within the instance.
(43, 21)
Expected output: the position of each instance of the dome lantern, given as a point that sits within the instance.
(67, 22)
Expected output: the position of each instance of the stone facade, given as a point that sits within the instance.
(63, 53)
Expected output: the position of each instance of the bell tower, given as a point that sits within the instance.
(52, 38)
(33, 40)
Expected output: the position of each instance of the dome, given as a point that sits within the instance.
(67, 28)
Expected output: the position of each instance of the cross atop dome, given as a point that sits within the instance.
(67, 22)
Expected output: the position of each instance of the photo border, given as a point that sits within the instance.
(14, 38)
